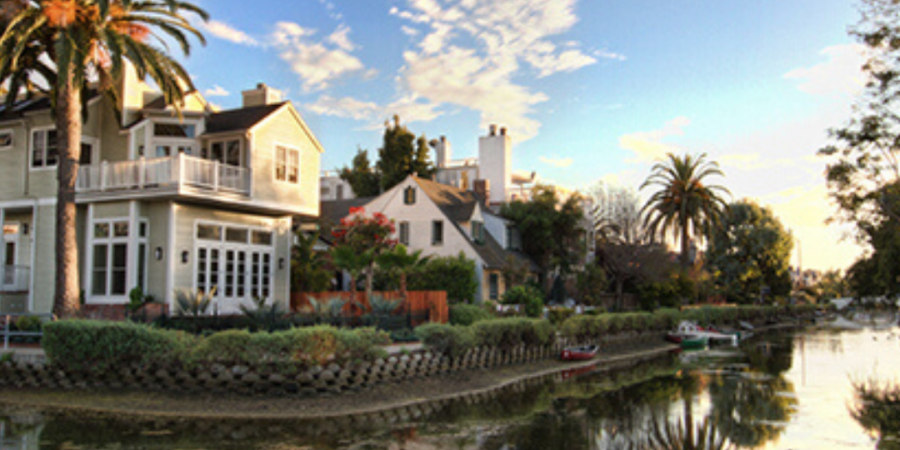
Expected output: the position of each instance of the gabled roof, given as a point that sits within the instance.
(239, 119)
(335, 210)
(457, 204)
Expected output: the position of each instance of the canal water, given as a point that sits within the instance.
(777, 391)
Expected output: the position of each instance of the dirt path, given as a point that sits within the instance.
(378, 398)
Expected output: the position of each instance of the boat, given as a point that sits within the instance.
(582, 353)
(688, 330)
(694, 342)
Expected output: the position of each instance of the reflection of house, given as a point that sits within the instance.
(444, 220)
(804, 278)
(163, 203)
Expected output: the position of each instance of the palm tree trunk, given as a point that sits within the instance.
(685, 246)
(68, 128)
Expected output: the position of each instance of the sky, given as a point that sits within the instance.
(590, 90)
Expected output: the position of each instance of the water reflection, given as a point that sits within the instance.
(877, 409)
(748, 397)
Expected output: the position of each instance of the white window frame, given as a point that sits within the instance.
(12, 138)
(111, 240)
(172, 142)
(288, 150)
(223, 245)
(43, 166)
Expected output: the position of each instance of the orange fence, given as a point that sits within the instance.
(417, 302)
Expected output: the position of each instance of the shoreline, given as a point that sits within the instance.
(369, 401)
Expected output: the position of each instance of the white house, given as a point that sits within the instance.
(444, 220)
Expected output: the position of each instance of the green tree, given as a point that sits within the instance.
(309, 268)
(749, 251)
(863, 171)
(683, 205)
(362, 177)
(366, 237)
(402, 155)
(354, 263)
(552, 229)
(833, 285)
(453, 274)
(402, 262)
(81, 39)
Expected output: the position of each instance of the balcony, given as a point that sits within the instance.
(173, 173)
(14, 279)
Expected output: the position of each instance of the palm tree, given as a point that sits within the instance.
(401, 261)
(683, 205)
(347, 258)
(87, 41)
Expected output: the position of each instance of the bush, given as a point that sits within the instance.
(558, 315)
(466, 315)
(96, 346)
(591, 284)
(452, 340)
(28, 324)
(453, 274)
(527, 296)
(512, 332)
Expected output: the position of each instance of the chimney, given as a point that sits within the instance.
(482, 189)
(442, 151)
(261, 96)
(492, 130)
(503, 131)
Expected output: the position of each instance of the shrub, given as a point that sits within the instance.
(527, 296)
(28, 324)
(452, 340)
(453, 274)
(95, 346)
(558, 315)
(591, 284)
(466, 315)
(512, 332)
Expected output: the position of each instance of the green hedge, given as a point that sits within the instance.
(453, 340)
(97, 346)
(463, 314)
(503, 334)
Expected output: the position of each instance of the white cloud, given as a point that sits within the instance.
(216, 91)
(840, 74)
(345, 107)
(556, 161)
(409, 31)
(224, 31)
(648, 146)
(473, 49)
(317, 64)
(410, 109)
(341, 38)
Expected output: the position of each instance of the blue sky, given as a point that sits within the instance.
(590, 89)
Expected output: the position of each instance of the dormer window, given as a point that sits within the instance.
(409, 196)
(478, 232)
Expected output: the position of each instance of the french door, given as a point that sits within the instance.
(236, 272)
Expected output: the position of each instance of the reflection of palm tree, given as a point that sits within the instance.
(681, 435)
(748, 411)
(877, 409)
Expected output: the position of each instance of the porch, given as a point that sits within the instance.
(170, 173)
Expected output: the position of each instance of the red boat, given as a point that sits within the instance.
(583, 353)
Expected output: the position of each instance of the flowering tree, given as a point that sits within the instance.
(367, 237)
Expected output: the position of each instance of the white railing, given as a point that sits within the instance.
(14, 278)
(176, 170)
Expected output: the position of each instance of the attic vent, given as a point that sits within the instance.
(409, 196)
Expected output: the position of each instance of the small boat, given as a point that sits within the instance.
(583, 353)
(694, 342)
(688, 330)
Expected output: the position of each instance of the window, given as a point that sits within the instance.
(86, 155)
(226, 152)
(404, 233)
(340, 192)
(174, 130)
(237, 235)
(109, 268)
(324, 191)
(494, 286)
(478, 232)
(287, 164)
(209, 232)
(6, 140)
(409, 196)
(513, 238)
(237, 266)
(437, 232)
(44, 150)
(261, 238)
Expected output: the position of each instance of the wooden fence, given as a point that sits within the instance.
(434, 303)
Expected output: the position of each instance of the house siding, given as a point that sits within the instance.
(283, 129)
(44, 269)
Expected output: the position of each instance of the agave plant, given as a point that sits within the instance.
(263, 316)
(381, 306)
(193, 303)
(326, 308)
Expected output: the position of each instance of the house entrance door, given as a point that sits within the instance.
(11, 243)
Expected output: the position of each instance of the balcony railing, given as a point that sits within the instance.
(14, 278)
(173, 172)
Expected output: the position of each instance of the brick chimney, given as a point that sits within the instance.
(482, 189)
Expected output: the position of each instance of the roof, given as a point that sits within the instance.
(37, 103)
(239, 119)
(496, 257)
(457, 204)
(335, 210)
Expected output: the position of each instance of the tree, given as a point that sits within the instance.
(398, 158)
(362, 177)
(863, 171)
(453, 274)
(750, 251)
(82, 39)
(833, 285)
(366, 237)
(552, 231)
(399, 260)
(354, 263)
(624, 248)
(309, 271)
(683, 206)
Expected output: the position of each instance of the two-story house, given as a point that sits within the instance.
(191, 200)
(444, 220)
